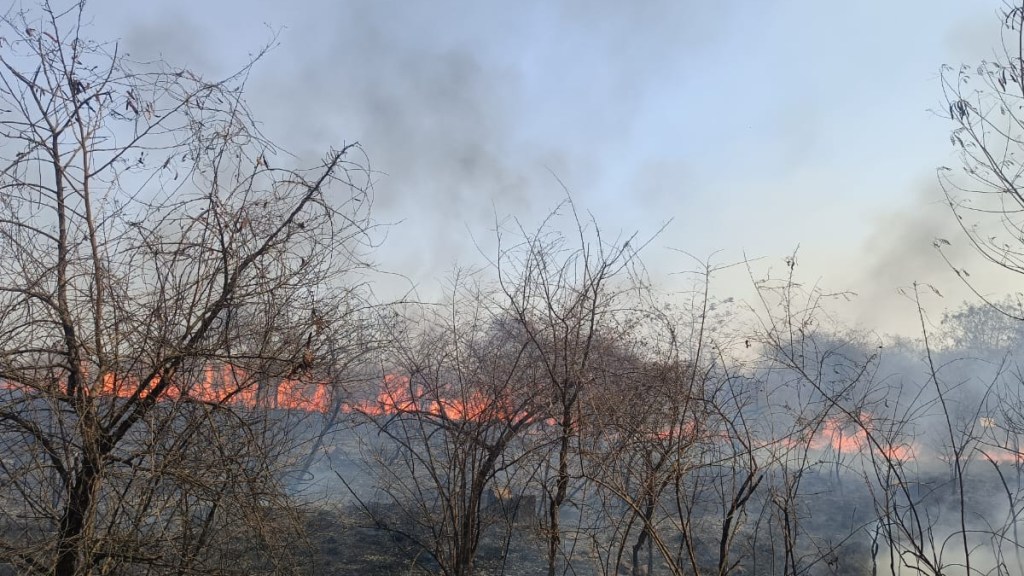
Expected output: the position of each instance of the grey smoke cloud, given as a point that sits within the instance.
(468, 110)
(465, 111)
(900, 250)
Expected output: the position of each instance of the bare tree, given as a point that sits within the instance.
(455, 403)
(650, 430)
(984, 107)
(937, 463)
(147, 241)
(568, 294)
(491, 397)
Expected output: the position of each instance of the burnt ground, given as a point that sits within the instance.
(346, 544)
(838, 514)
(836, 520)
(346, 547)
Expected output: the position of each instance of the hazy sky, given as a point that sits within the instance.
(756, 126)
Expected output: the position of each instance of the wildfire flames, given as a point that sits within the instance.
(842, 435)
(398, 396)
(230, 385)
(847, 437)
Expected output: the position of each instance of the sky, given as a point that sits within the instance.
(751, 128)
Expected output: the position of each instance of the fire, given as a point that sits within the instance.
(232, 386)
(684, 431)
(1002, 455)
(226, 384)
(899, 452)
(399, 396)
(842, 437)
(846, 436)
(297, 395)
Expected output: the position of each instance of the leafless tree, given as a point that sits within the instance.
(648, 427)
(490, 397)
(984, 106)
(568, 294)
(455, 403)
(938, 462)
(842, 435)
(158, 279)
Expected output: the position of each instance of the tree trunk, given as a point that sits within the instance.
(73, 520)
(561, 489)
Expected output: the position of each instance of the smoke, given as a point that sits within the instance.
(471, 112)
(902, 248)
(173, 35)
(465, 112)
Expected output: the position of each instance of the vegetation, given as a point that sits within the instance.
(195, 380)
(148, 250)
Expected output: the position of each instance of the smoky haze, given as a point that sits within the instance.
(724, 332)
(738, 123)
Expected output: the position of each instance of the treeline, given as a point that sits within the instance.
(151, 235)
(631, 435)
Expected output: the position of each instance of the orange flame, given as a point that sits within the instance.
(1002, 455)
(231, 385)
(844, 436)
(225, 384)
(398, 396)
